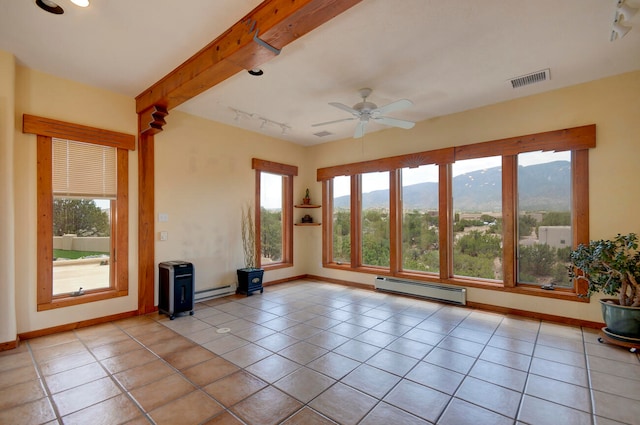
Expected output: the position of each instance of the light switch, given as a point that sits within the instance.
(163, 217)
(164, 236)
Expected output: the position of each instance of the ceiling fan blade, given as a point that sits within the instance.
(345, 108)
(332, 122)
(359, 130)
(393, 106)
(394, 122)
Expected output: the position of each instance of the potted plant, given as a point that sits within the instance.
(612, 267)
(307, 199)
(249, 277)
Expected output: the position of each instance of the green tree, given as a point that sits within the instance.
(467, 265)
(342, 236)
(556, 218)
(537, 260)
(420, 241)
(526, 224)
(375, 238)
(79, 216)
(478, 244)
(271, 234)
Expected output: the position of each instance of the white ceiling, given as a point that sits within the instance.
(445, 56)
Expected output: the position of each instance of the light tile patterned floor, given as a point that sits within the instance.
(316, 353)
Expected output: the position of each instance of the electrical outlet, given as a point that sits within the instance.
(163, 217)
(164, 236)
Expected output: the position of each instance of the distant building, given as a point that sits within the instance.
(555, 236)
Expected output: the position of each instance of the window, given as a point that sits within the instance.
(341, 219)
(82, 191)
(84, 194)
(374, 219)
(274, 217)
(271, 223)
(544, 218)
(477, 208)
(420, 219)
(500, 215)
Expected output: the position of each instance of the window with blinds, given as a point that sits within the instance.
(84, 170)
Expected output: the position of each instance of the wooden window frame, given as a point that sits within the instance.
(46, 129)
(578, 140)
(288, 172)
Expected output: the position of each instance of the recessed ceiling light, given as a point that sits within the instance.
(50, 6)
(256, 72)
(81, 3)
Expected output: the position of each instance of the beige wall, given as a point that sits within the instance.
(44, 95)
(7, 209)
(204, 177)
(612, 104)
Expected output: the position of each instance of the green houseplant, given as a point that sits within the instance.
(249, 277)
(612, 267)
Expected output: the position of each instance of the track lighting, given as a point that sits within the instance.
(623, 13)
(264, 122)
(618, 31)
(624, 10)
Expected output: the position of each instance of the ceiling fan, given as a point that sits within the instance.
(367, 111)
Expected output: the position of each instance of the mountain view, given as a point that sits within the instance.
(543, 187)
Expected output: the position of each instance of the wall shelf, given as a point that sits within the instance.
(307, 206)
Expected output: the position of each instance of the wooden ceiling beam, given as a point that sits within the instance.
(249, 43)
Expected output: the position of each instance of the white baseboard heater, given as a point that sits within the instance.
(207, 294)
(435, 291)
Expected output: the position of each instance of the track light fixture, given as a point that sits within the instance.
(624, 10)
(264, 122)
(623, 13)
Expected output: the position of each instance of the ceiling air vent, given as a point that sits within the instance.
(322, 134)
(535, 77)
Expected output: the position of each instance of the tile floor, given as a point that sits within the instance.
(314, 353)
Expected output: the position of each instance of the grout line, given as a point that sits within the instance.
(113, 379)
(43, 381)
(358, 304)
(589, 383)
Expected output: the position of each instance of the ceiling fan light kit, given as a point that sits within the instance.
(366, 111)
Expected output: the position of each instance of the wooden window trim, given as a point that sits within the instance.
(578, 140)
(288, 172)
(46, 129)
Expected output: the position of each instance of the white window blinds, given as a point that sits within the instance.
(84, 170)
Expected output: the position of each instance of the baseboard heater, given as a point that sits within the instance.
(434, 291)
(207, 294)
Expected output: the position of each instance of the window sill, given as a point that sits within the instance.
(276, 266)
(62, 301)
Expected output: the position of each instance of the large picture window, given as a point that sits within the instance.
(502, 214)
(477, 212)
(544, 218)
(82, 212)
(84, 194)
(420, 219)
(341, 219)
(374, 219)
(274, 216)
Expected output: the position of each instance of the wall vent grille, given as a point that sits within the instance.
(533, 78)
(322, 134)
